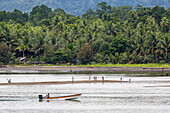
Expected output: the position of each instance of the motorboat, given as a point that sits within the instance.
(64, 97)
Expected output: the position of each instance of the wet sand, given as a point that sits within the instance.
(83, 69)
(159, 86)
(63, 82)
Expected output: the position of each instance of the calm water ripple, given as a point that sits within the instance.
(131, 97)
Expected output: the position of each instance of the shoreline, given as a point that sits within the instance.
(76, 69)
(84, 69)
(63, 82)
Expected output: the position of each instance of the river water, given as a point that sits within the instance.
(132, 97)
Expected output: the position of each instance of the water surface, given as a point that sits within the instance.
(131, 97)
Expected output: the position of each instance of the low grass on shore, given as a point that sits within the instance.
(106, 65)
(127, 65)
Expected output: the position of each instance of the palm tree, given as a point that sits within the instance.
(24, 45)
(165, 24)
(153, 43)
(165, 45)
(9, 37)
(138, 42)
(38, 42)
(85, 54)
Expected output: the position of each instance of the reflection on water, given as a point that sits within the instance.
(10, 100)
(131, 97)
(72, 100)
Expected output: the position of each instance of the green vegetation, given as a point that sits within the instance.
(109, 35)
(105, 65)
(127, 65)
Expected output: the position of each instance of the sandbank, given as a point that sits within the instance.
(63, 82)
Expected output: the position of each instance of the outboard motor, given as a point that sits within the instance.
(40, 98)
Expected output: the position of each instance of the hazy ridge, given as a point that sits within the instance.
(76, 7)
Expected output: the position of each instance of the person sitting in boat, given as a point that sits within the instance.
(48, 95)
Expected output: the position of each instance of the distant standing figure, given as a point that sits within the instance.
(103, 78)
(89, 78)
(72, 79)
(121, 79)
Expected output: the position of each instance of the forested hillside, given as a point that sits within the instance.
(76, 7)
(105, 35)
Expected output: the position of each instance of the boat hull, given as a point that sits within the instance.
(67, 97)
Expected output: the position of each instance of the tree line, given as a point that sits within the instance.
(107, 35)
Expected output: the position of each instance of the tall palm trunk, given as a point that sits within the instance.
(24, 56)
(166, 55)
(156, 57)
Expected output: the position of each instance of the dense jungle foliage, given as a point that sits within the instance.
(76, 7)
(107, 35)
